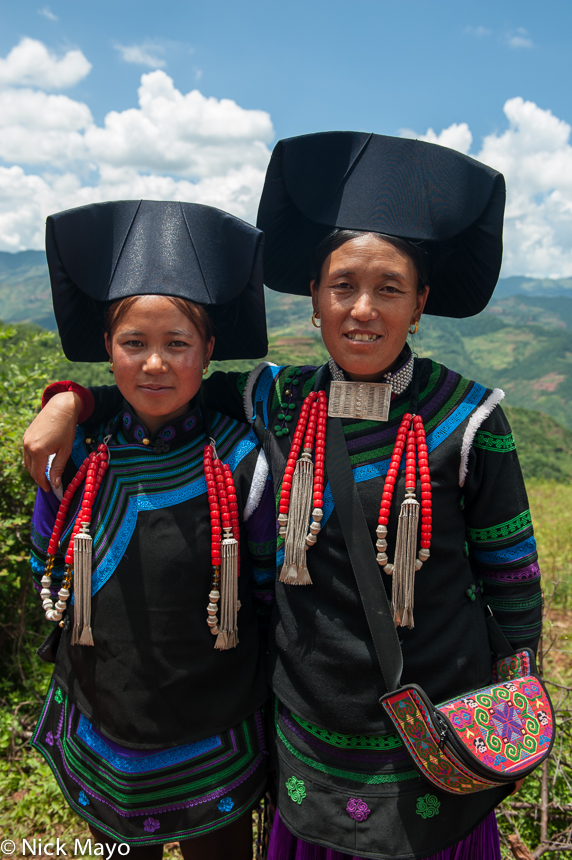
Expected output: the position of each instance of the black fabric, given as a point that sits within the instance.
(365, 567)
(150, 632)
(415, 190)
(107, 251)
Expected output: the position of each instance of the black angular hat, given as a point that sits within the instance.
(450, 203)
(108, 251)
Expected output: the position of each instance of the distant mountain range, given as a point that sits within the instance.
(25, 290)
(522, 342)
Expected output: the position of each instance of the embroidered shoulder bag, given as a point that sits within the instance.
(488, 737)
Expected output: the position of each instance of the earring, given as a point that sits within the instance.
(414, 328)
(314, 318)
(206, 368)
(110, 366)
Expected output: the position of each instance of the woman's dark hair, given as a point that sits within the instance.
(118, 310)
(339, 237)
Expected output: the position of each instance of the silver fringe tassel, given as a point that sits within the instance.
(405, 564)
(294, 571)
(82, 547)
(228, 626)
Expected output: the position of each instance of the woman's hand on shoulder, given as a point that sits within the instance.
(52, 432)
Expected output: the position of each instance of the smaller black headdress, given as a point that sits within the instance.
(108, 251)
(449, 203)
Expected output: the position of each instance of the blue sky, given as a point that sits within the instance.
(311, 66)
(380, 65)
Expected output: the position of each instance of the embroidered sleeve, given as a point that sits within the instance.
(500, 535)
(43, 520)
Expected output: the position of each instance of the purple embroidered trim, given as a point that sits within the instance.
(50, 739)
(350, 755)
(150, 825)
(532, 571)
(357, 809)
(379, 439)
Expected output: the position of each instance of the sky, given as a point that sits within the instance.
(185, 100)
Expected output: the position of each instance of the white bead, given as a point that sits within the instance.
(424, 554)
(418, 564)
(60, 606)
(381, 531)
(212, 622)
(215, 631)
(46, 580)
(52, 615)
(45, 592)
(389, 569)
(47, 604)
(311, 539)
(382, 558)
(317, 514)
(315, 528)
(63, 593)
(381, 544)
(283, 518)
(282, 530)
(214, 595)
(212, 607)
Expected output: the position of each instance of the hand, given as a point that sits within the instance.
(518, 785)
(52, 432)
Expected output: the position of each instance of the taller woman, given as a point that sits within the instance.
(378, 230)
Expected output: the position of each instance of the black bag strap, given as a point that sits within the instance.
(366, 569)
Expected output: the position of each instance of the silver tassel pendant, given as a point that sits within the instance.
(405, 564)
(82, 552)
(295, 571)
(228, 603)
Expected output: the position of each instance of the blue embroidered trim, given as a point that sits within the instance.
(260, 575)
(505, 556)
(149, 502)
(155, 761)
(263, 386)
(434, 439)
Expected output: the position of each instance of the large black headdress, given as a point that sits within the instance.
(108, 251)
(450, 203)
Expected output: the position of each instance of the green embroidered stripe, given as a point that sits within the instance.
(357, 742)
(490, 442)
(509, 605)
(504, 530)
(364, 778)
(241, 381)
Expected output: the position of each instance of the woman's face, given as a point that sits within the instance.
(366, 300)
(158, 359)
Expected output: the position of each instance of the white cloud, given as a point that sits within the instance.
(535, 155)
(519, 38)
(31, 64)
(173, 146)
(47, 13)
(147, 54)
(457, 136)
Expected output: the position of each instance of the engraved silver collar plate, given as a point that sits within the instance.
(366, 401)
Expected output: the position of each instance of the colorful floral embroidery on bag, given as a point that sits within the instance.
(516, 666)
(441, 766)
(508, 726)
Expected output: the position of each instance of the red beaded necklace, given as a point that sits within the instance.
(225, 549)
(294, 505)
(93, 470)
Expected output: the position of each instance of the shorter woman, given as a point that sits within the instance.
(153, 726)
